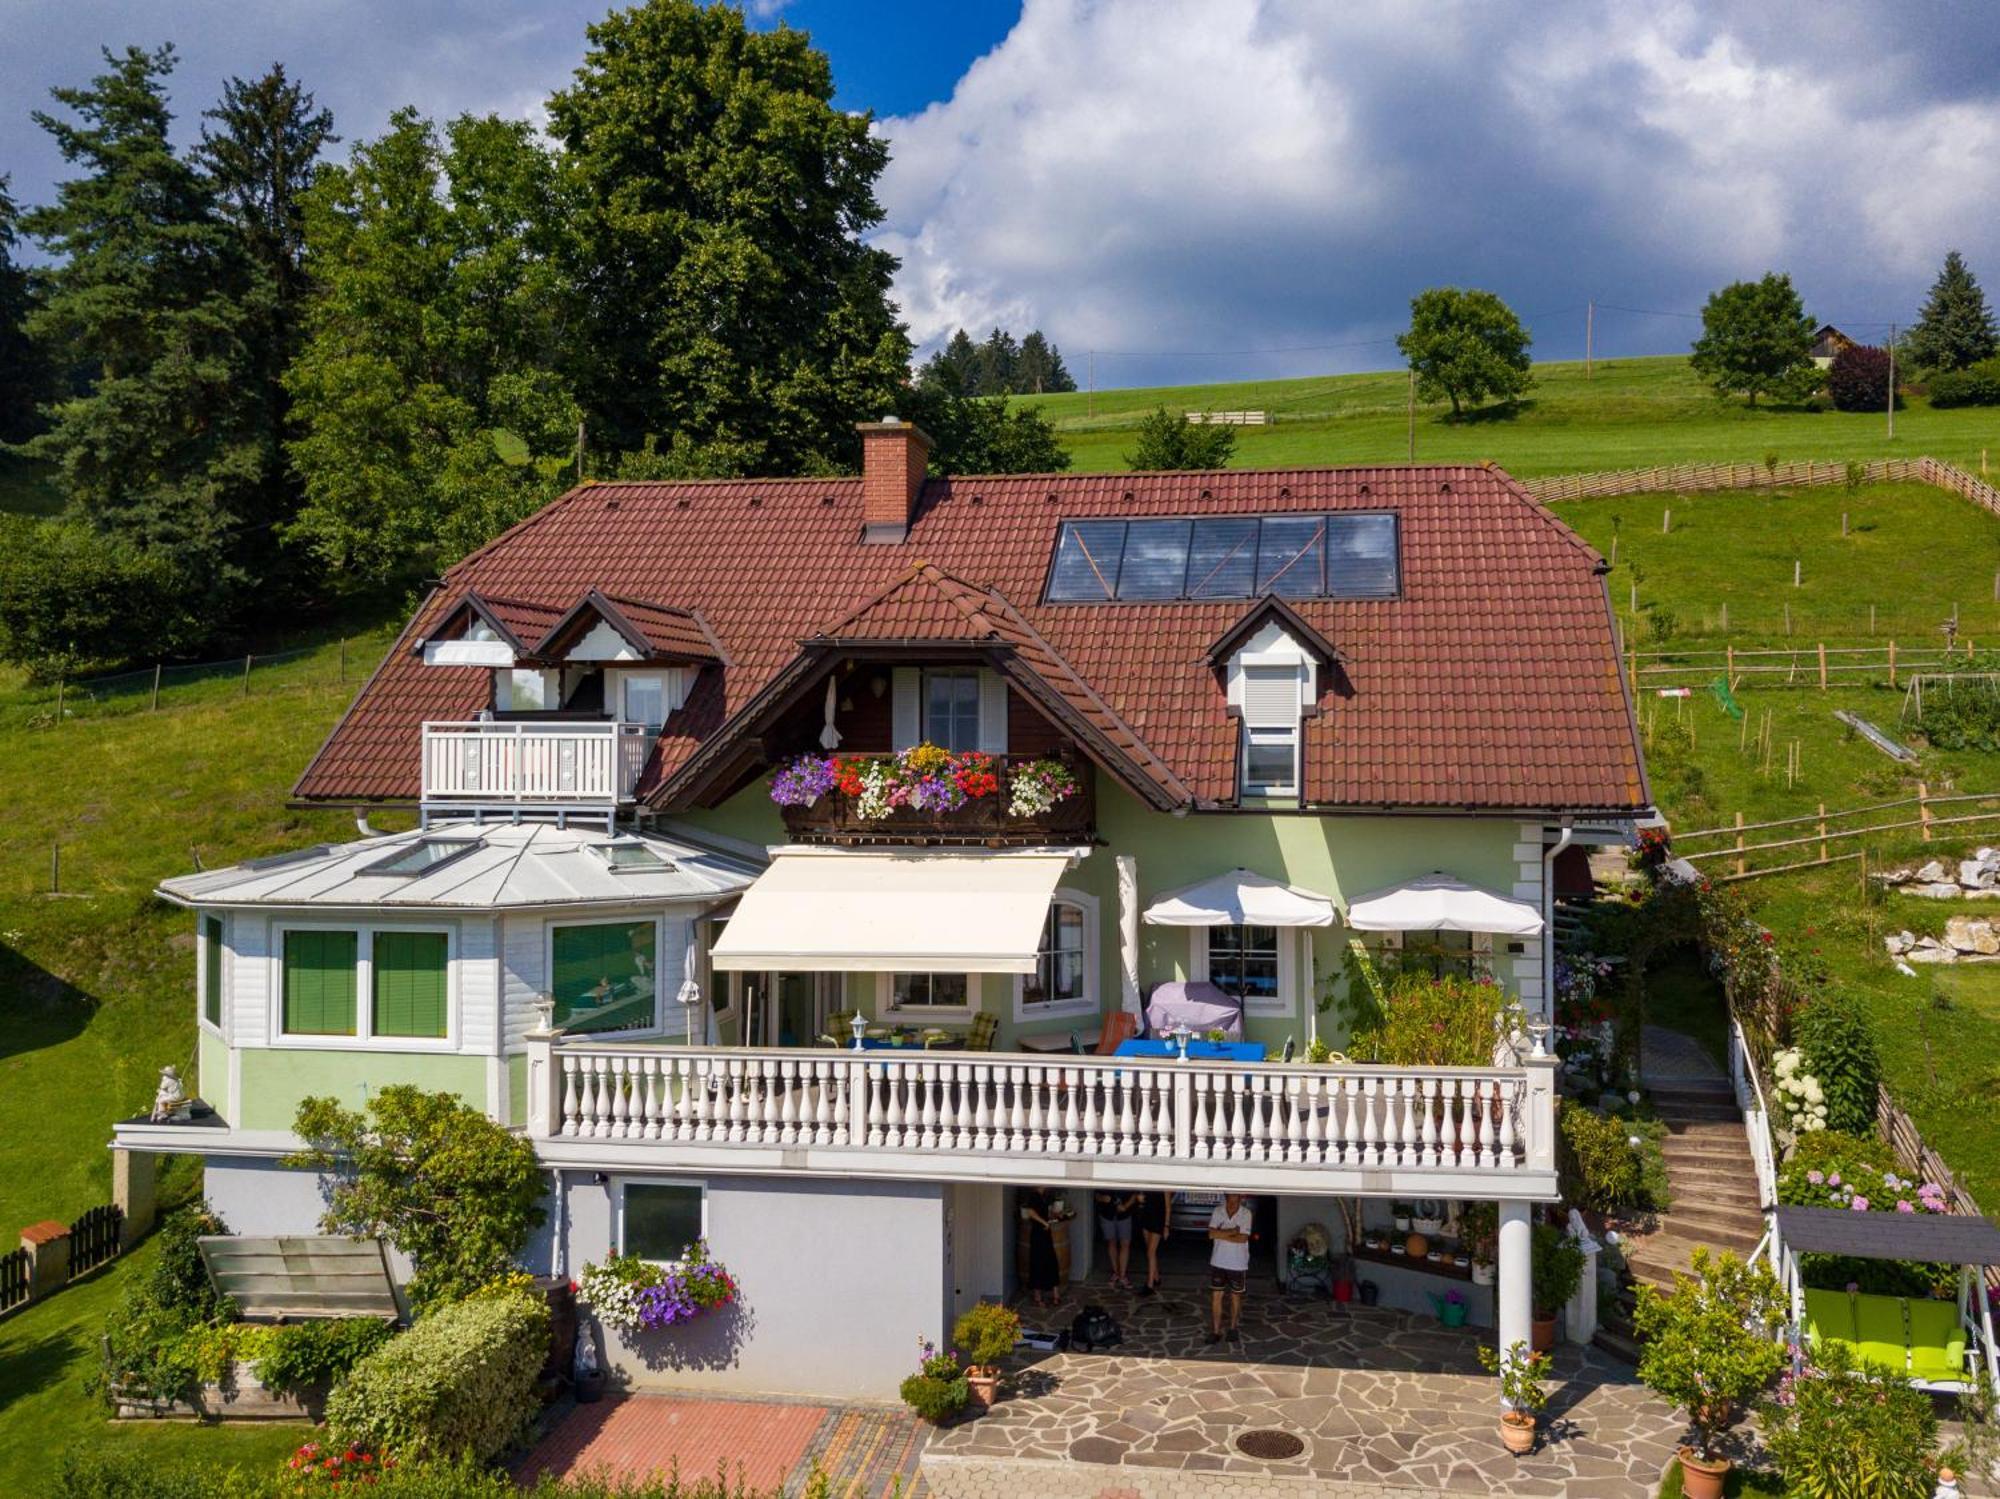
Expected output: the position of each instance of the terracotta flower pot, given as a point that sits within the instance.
(1542, 1334)
(1517, 1432)
(984, 1385)
(1702, 1480)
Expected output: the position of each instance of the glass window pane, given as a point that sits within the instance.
(319, 971)
(211, 970)
(606, 976)
(1222, 559)
(951, 709)
(410, 984)
(645, 701)
(1155, 560)
(1361, 556)
(661, 1222)
(1086, 566)
(1268, 761)
(1289, 549)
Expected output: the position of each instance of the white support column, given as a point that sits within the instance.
(1538, 1113)
(544, 1114)
(1128, 933)
(1514, 1295)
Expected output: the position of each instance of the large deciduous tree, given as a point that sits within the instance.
(1168, 440)
(1956, 326)
(428, 390)
(1757, 340)
(985, 434)
(1467, 347)
(162, 448)
(729, 305)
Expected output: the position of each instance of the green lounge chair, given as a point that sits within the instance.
(1883, 1334)
(1829, 1314)
(1937, 1344)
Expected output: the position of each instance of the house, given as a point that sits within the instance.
(1197, 740)
(1827, 342)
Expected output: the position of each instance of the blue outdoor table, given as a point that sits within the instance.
(1198, 1051)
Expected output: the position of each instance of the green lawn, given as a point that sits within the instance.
(97, 982)
(1632, 413)
(47, 1351)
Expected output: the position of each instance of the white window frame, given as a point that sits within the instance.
(886, 1006)
(364, 1037)
(1091, 908)
(661, 999)
(1267, 736)
(673, 682)
(957, 673)
(702, 932)
(1287, 1001)
(621, 1182)
(218, 1028)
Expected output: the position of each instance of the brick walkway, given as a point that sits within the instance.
(866, 1453)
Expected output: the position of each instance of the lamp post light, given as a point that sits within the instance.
(1181, 1035)
(1538, 1035)
(858, 1023)
(545, 1014)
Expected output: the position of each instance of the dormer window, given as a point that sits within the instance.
(1272, 704)
(1271, 660)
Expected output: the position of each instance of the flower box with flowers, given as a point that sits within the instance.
(929, 789)
(630, 1295)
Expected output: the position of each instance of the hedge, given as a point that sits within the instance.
(460, 1384)
(101, 1474)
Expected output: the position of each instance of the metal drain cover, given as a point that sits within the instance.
(1271, 1446)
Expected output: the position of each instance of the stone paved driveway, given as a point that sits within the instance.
(1385, 1404)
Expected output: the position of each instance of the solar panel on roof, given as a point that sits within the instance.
(1347, 556)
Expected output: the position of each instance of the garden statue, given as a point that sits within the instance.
(170, 1100)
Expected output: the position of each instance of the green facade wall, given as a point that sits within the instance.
(276, 1080)
(211, 1082)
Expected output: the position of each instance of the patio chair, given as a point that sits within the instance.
(1937, 1344)
(839, 1030)
(985, 1030)
(1119, 1026)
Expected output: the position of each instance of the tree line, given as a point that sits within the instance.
(265, 379)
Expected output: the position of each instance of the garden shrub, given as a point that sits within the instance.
(320, 1352)
(939, 1389)
(986, 1333)
(1833, 1169)
(1975, 385)
(1421, 1019)
(460, 1384)
(1836, 1435)
(1859, 379)
(161, 1336)
(88, 1474)
(1556, 1270)
(1607, 1162)
(1838, 1043)
(1961, 716)
(1707, 1347)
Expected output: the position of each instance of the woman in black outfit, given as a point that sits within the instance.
(1156, 1216)
(1044, 1275)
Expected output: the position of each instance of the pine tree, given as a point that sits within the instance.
(1041, 367)
(953, 368)
(259, 151)
(1956, 327)
(162, 448)
(23, 371)
(998, 364)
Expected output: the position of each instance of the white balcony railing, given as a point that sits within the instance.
(516, 763)
(943, 1108)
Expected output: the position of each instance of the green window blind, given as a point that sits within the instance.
(410, 984)
(211, 969)
(606, 976)
(319, 983)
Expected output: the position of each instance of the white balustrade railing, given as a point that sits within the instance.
(1749, 1088)
(512, 762)
(1023, 1104)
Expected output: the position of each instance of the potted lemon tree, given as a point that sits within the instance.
(985, 1334)
(1709, 1347)
(1522, 1391)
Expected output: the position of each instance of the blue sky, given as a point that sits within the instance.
(1209, 189)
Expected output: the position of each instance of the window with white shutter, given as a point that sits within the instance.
(1270, 755)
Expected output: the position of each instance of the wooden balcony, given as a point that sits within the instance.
(982, 820)
(504, 765)
(1444, 1132)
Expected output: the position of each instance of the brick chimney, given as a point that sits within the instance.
(893, 453)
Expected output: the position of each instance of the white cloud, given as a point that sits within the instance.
(1226, 174)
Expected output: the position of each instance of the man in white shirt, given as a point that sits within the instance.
(1230, 1226)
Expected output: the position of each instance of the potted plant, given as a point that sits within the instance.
(986, 1334)
(939, 1389)
(1709, 1347)
(1557, 1272)
(1522, 1392)
(1401, 1213)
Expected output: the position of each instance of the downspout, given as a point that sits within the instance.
(1549, 918)
(361, 823)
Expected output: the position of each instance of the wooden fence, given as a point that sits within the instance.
(13, 1279)
(54, 1256)
(95, 1237)
(1229, 418)
(1917, 1157)
(1817, 665)
(1823, 829)
(1690, 477)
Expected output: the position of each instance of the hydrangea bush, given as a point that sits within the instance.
(1801, 1101)
(631, 1295)
(1830, 1169)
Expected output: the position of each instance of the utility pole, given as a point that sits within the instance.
(1589, 333)
(579, 450)
(1413, 413)
(1090, 401)
(1892, 381)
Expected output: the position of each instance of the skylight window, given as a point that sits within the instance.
(1226, 557)
(423, 856)
(629, 856)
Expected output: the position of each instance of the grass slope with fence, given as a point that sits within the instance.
(1712, 589)
(1630, 413)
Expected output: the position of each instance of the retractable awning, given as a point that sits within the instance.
(894, 911)
(1240, 898)
(1443, 903)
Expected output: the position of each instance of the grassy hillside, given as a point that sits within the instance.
(97, 980)
(1633, 412)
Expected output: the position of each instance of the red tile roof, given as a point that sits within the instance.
(1492, 682)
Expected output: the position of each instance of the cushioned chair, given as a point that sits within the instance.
(839, 1028)
(1883, 1337)
(1119, 1026)
(985, 1028)
(1937, 1343)
(1829, 1314)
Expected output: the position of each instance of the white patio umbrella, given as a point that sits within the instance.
(1443, 903)
(1243, 897)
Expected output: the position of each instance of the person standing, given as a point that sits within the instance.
(1044, 1271)
(1231, 1227)
(1156, 1218)
(1114, 1222)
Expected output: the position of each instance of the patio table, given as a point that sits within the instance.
(1198, 1051)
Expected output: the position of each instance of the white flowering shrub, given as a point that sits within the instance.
(1801, 1102)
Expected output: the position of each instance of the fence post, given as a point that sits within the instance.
(1924, 809)
(156, 688)
(47, 1244)
(1822, 666)
(61, 683)
(1822, 832)
(1729, 666)
(246, 675)
(1892, 653)
(343, 656)
(1741, 864)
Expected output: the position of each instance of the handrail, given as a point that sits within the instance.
(1756, 1109)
